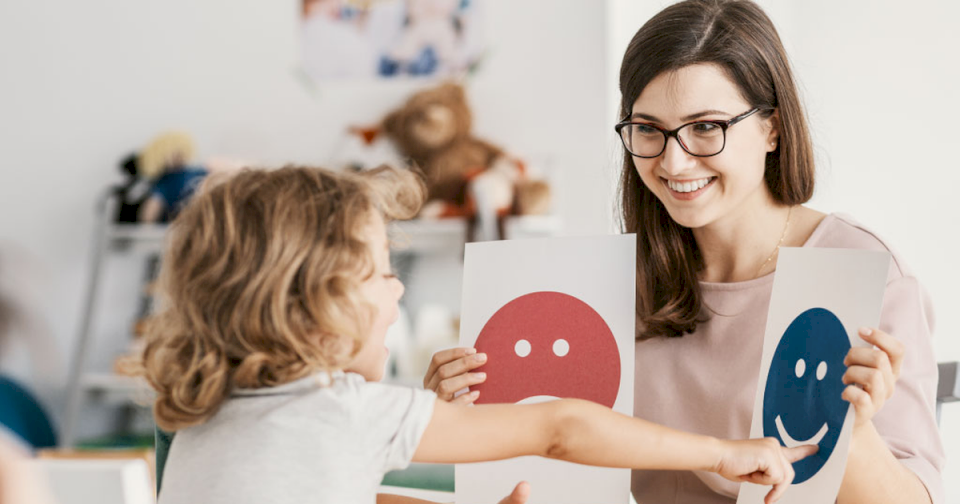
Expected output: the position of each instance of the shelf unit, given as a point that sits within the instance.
(87, 386)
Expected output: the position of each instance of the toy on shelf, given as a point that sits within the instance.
(132, 192)
(166, 161)
(466, 176)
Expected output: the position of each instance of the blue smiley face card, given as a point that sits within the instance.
(820, 298)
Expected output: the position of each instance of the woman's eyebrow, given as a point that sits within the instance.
(691, 117)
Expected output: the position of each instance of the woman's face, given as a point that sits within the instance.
(732, 181)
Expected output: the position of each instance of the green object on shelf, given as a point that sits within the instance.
(144, 440)
(423, 476)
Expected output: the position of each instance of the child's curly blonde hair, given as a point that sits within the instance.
(259, 283)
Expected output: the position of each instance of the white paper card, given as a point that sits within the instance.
(556, 318)
(820, 298)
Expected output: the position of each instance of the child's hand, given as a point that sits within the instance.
(763, 462)
(450, 371)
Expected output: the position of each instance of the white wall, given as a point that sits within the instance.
(83, 83)
(880, 83)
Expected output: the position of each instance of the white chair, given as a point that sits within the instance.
(948, 388)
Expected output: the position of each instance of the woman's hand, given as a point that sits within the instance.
(520, 494)
(450, 371)
(872, 373)
(761, 461)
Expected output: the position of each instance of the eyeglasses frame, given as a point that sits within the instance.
(667, 134)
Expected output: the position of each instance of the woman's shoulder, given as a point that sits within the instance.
(839, 230)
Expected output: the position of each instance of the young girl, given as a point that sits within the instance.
(266, 353)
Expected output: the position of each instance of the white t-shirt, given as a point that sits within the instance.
(308, 441)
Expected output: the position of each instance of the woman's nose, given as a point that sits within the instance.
(674, 159)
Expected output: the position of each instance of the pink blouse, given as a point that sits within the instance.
(706, 382)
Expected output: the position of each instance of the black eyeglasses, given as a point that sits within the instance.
(698, 138)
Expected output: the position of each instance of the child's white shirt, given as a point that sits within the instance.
(320, 439)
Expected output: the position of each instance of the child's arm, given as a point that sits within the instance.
(587, 433)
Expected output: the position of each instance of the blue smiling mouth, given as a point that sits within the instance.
(788, 440)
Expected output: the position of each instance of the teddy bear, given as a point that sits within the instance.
(465, 176)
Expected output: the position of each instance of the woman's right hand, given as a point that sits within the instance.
(451, 370)
(761, 461)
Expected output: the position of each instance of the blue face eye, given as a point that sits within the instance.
(821, 370)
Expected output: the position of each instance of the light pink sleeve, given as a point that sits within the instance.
(907, 421)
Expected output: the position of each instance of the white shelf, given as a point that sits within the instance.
(110, 386)
(443, 235)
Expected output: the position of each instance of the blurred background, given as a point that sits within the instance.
(85, 84)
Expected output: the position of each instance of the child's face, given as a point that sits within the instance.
(383, 290)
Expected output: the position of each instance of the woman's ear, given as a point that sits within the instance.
(773, 135)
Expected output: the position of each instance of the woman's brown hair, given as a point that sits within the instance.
(737, 36)
(259, 283)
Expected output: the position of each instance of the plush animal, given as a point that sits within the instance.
(165, 161)
(131, 194)
(466, 176)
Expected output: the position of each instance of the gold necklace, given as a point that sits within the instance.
(777, 249)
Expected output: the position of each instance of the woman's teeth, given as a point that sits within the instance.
(691, 186)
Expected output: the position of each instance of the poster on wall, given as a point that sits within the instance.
(555, 317)
(820, 298)
(388, 39)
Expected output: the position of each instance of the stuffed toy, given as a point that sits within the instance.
(465, 176)
(131, 193)
(165, 161)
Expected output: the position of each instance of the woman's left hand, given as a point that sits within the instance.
(872, 373)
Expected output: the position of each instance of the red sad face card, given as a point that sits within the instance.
(551, 345)
(555, 318)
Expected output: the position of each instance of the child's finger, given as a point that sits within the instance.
(776, 492)
(799, 452)
(443, 357)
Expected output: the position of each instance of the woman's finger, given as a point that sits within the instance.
(465, 399)
(870, 379)
(454, 370)
(461, 366)
(443, 357)
(872, 358)
(894, 348)
(860, 400)
(446, 389)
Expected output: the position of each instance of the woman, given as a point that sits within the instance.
(717, 165)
